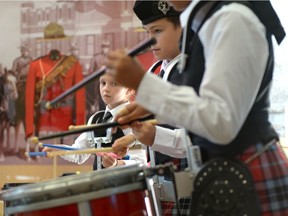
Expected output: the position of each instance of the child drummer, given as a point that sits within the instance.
(115, 97)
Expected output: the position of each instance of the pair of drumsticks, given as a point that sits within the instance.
(64, 150)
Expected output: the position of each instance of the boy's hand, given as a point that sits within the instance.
(121, 146)
(49, 149)
(130, 113)
(108, 160)
(144, 132)
(126, 70)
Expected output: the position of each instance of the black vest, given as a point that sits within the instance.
(256, 128)
(175, 78)
(98, 118)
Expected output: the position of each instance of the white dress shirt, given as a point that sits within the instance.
(136, 156)
(236, 53)
(168, 136)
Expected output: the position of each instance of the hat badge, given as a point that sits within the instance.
(163, 6)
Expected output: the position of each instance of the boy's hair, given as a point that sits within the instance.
(150, 11)
(175, 20)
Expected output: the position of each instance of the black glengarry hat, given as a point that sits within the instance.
(149, 11)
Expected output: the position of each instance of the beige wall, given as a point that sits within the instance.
(36, 173)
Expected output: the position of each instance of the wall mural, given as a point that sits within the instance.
(52, 35)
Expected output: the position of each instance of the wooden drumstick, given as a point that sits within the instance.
(75, 127)
(54, 167)
(80, 151)
(59, 153)
(152, 121)
(84, 151)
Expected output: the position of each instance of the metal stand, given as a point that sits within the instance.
(98, 143)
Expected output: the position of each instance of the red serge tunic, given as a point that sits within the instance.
(69, 111)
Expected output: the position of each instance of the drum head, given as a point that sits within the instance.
(224, 187)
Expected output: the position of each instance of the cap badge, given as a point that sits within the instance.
(163, 6)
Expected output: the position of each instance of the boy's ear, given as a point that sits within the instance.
(130, 94)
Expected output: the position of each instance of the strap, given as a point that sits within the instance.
(93, 120)
(155, 66)
(196, 21)
(268, 16)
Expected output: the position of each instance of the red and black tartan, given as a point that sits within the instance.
(270, 174)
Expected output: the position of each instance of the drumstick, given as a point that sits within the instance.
(59, 153)
(36, 140)
(59, 146)
(134, 51)
(54, 167)
(80, 151)
(75, 127)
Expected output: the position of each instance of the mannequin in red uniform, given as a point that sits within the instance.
(69, 111)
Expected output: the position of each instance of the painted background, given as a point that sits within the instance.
(88, 23)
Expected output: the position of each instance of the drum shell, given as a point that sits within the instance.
(114, 191)
(11, 185)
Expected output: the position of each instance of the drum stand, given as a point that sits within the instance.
(181, 185)
(97, 142)
(150, 175)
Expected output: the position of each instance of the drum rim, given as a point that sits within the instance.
(73, 181)
(75, 199)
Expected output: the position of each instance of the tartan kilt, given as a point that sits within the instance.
(170, 208)
(270, 176)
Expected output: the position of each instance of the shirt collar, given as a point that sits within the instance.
(115, 110)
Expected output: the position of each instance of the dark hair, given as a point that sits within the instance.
(175, 20)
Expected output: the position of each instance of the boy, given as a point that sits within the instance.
(228, 65)
(162, 22)
(115, 97)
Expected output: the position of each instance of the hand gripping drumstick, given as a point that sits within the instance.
(36, 140)
(134, 51)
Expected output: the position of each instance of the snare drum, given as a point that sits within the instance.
(110, 192)
(7, 186)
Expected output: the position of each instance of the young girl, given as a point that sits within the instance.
(115, 97)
